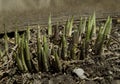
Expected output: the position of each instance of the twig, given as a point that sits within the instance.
(10, 56)
(115, 39)
(112, 58)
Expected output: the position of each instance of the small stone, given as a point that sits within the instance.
(80, 73)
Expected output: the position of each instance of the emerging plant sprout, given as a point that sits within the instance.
(73, 44)
(104, 32)
(49, 26)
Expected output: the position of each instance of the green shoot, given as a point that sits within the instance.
(28, 36)
(57, 61)
(49, 26)
(28, 57)
(64, 47)
(22, 45)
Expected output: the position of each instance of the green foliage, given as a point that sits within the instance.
(49, 26)
(104, 32)
(22, 56)
(57, 61)
(45, 60)
(16, 37)
(39, 49)
(68, 28)
(28, 36)
(90, 31)
(28, 56)
(64, 48)
(73, 44)
(18, 61)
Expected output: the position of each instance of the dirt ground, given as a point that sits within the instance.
(100, 69)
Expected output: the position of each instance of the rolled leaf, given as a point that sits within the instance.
(49, 26)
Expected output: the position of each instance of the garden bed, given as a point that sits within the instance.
(100, 67)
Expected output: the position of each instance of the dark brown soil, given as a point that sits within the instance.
(100, 69)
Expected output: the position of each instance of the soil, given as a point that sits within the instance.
(99, 69)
